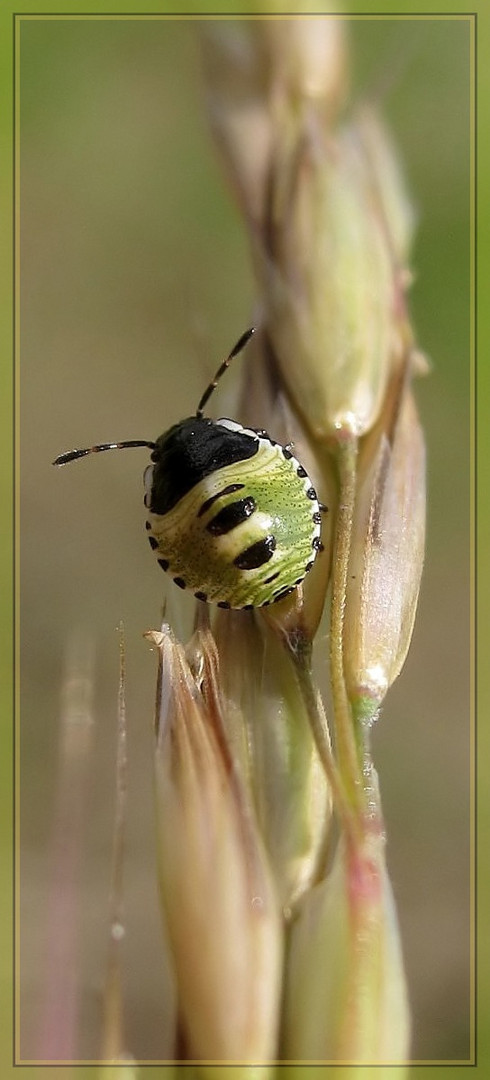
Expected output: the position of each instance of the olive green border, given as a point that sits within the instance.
(478, 12)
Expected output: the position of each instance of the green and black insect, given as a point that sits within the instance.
(232, 515)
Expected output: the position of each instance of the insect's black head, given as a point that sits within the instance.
(188, 452)
(191, 430)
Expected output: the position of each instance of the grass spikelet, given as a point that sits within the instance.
(221, 910)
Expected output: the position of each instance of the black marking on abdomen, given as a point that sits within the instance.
(226, 491)
(152, 542)
(273, 577)
(230, 516)
(201, 596)
(256, 555)
(311, 493)
(164, 563)
(317, 517)
(180, 582)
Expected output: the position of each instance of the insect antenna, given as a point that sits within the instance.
(242, 341)
(72, 455)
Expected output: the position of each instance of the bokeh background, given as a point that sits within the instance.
(135, 280)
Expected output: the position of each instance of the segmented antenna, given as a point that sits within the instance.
(72, 455)
(221, 370)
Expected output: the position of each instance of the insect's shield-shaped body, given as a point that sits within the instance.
(233, 516)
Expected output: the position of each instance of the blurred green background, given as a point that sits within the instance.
(135, 280)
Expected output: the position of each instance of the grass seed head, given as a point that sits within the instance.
(386, 554)
(346, 995)
(221, 913)
(268, 727)
(328, 282)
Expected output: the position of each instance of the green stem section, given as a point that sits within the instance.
(319, 726)
(345, 740)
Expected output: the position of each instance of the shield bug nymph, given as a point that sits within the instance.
(231, 514)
